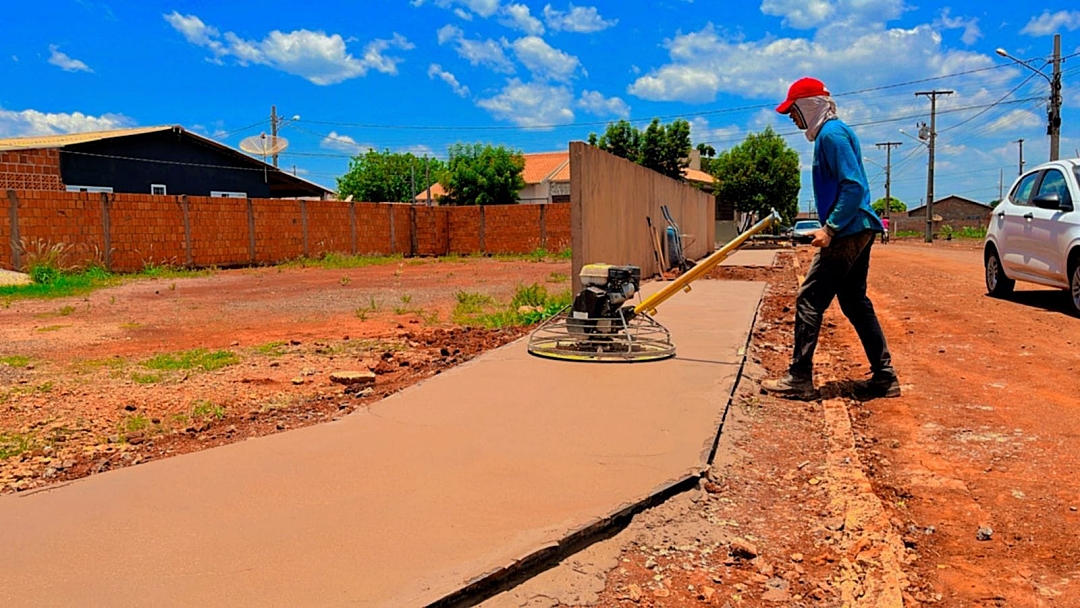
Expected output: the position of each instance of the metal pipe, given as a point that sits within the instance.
(649, 304)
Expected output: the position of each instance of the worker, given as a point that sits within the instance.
(848, 229)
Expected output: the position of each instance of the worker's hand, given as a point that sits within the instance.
(821, 238)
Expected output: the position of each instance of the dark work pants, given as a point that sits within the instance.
(838, 271)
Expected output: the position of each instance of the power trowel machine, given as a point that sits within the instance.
(601, 326)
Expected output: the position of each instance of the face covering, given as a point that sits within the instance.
(816, 111)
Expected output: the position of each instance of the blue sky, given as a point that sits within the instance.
(418, 75)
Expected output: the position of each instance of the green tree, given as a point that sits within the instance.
(662, 148)
(895, 206)
(760, 174)
(479, 174)
(388, 177)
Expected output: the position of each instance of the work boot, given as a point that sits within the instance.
(882, 384)
(790, 386)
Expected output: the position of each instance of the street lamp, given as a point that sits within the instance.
(1053, 113)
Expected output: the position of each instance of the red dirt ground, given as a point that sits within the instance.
(79, 408)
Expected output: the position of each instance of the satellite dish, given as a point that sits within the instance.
(261, 145)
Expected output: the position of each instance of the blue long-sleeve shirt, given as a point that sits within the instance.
(840, 185)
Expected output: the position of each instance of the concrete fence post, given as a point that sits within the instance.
(106, 229)
(413, 237)
(304, 224)
(543, 226)
(185, 207)
(251, 229)
(13, 217)
(352, 225)
(393, 235)
(483, 230)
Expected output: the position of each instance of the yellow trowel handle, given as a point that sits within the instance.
(649, 304)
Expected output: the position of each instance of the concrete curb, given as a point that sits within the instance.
(871, 550)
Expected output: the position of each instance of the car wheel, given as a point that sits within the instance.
(1074, 287)
(997, 284)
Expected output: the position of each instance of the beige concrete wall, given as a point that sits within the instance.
(610, 198)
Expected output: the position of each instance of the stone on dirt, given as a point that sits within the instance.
(350, 378)
(743, 549)
(984, 533)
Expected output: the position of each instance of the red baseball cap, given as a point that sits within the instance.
(800, 89)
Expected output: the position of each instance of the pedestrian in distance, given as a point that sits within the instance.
(839, 270)
(885, 228)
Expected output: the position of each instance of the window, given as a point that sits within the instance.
(227, 194)
(158, 189)
(1053, 182)
(88, 188)
(1021, 194)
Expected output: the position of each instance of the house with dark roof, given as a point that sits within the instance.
(164, 160)
(953, 208)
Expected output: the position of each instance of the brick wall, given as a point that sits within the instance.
(31, 170)
(126, 232)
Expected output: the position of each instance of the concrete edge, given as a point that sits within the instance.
(529, 566)
(871, 573)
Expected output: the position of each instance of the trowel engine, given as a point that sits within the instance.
(598, 307)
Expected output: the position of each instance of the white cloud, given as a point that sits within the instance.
(478, 52)
(971, 34)
(594, 102)
(464, 8)
(518, 16)
(1052, 23)
(436, 71)
(718, 137)
(315, 56)
(578, 19)
(705, 63)
(800, 14)
(448, 32)
(806, 14)
(544, 61)
(533, 104)
(66, 63)
(28, 123)
(343, 143)
(1016, 121)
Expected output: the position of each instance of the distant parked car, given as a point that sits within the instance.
(803, 230)
(1034, 234)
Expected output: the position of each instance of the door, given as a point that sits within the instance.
(1014, 216)
(1049, 229)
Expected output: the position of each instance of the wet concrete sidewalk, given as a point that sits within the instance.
(401, 504)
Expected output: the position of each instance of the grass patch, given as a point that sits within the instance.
(557, 277)
(141, 378)
(198, 358)
(63, 284)
(133, 424)
(331, 260)
(272, 349)
(205, 408)
(15, 360)
(531, 304)
(14, 444)
(53, 327)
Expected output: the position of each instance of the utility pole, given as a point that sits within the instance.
(888, 145)
(933, 95)
(1054, 127)
(1053, 110)
(1021, 142)
(273, 132)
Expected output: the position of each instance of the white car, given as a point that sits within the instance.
(1034, 234)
